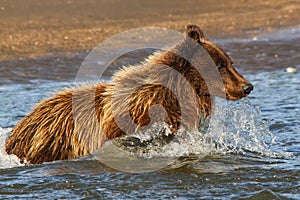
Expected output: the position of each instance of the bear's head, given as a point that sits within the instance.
(234, 86)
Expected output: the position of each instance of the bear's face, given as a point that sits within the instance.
(235, 86)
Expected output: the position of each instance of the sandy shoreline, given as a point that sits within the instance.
(43, 28)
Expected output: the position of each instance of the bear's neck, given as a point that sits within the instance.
(163, 79)
(173, 59)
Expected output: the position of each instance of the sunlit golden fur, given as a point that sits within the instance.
(164, 88)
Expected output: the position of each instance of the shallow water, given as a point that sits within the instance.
(251, 149)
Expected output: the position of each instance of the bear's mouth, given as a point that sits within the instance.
(234, 96)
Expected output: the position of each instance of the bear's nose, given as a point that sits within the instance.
(247, 88)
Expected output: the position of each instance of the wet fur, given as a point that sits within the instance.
(78, 121)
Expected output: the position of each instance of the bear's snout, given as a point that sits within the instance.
(247, 88)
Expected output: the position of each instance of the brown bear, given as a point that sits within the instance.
(171, 86)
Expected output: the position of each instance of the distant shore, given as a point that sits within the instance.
(48, 28)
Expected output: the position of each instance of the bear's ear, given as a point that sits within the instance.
(195, 33)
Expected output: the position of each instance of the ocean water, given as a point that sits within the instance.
(250, 150)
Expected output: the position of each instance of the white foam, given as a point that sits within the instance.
(6, 161)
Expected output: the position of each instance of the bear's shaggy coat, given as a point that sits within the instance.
(165, 88)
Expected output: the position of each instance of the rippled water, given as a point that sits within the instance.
(251, 149)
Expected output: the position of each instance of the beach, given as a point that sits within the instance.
(51, 28)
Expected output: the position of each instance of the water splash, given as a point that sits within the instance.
(6, 161)
(239, 128)
(233, 128)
